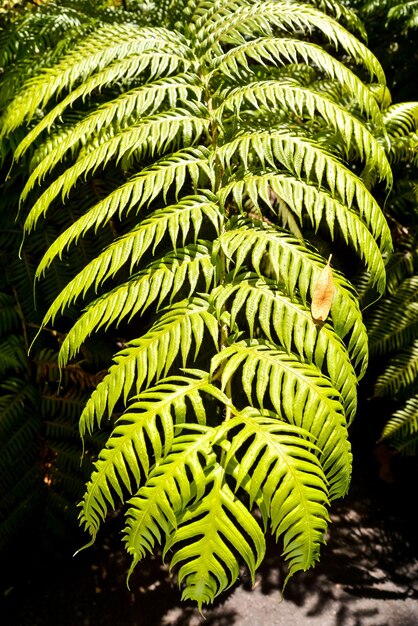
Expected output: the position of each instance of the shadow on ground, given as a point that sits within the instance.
(368, 575)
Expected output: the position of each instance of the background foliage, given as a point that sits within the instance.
(392, 322)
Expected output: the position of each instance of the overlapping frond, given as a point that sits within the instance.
(104, 46)
(304, 158)
(163, 280)
(149, 357)
(213, 536)
(286, 322)
(233, 23)
(274, 253)
(155, 508)
(401, 118)
(276, 465)
(174, 221)
(128, 105)
(342, 13)
(406, 13)
(394, 323)
(152, 135)
(299, 394)
(307, 200)
(160, 407)
(141, 190)
(303, 102)
(273, 50)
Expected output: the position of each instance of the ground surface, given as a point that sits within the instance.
(367, 576)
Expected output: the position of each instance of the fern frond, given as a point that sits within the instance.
(302, 101)
(283, 320)
(284, 50)
(150, 356)
(298, 393)
(401, 265)
(404, 150)
(401, 372)
(132, 104)
(262, 17)
(401, 429)
(283, 471)
(148, 422)
(276, 254)
(406, 12)
(305, 199)
(342, 13)
(394, 323)
(175, 221)
(37, 32)
(401, 119)
(305, 159)
(100, 49)
(159, 178)
(163, 280)
(166, 157)
(13, 354)
(8, 315)
(155, 508)
(152, 135)
(214, 534)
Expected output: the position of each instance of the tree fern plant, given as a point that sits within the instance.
(404, 12)
(392, 323)
(393, 327)
(39, 404)
(391, 27)
(232, 146)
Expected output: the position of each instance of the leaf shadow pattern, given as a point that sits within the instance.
(371, 557)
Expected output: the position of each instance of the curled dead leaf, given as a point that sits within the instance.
(323, 293)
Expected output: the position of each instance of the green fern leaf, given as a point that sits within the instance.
(146, 99)
(299, 393)
(152, 135)
(148, 421)
(402, 428)
(139, 191)
(175, 220)
(305, 199)
(214, 534)
(161, 281)
(13, 354)
(401, 119)
(285, 473)
(295, 268)
(100, 49)
(279, 51)
(154, 160)
(285, 321)
(305, 158)
(168, 491)
(347, 15)
(388, 330)
(261, 17)
(300, 100)
(406, 12)
(150, 357)
(400, 373)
